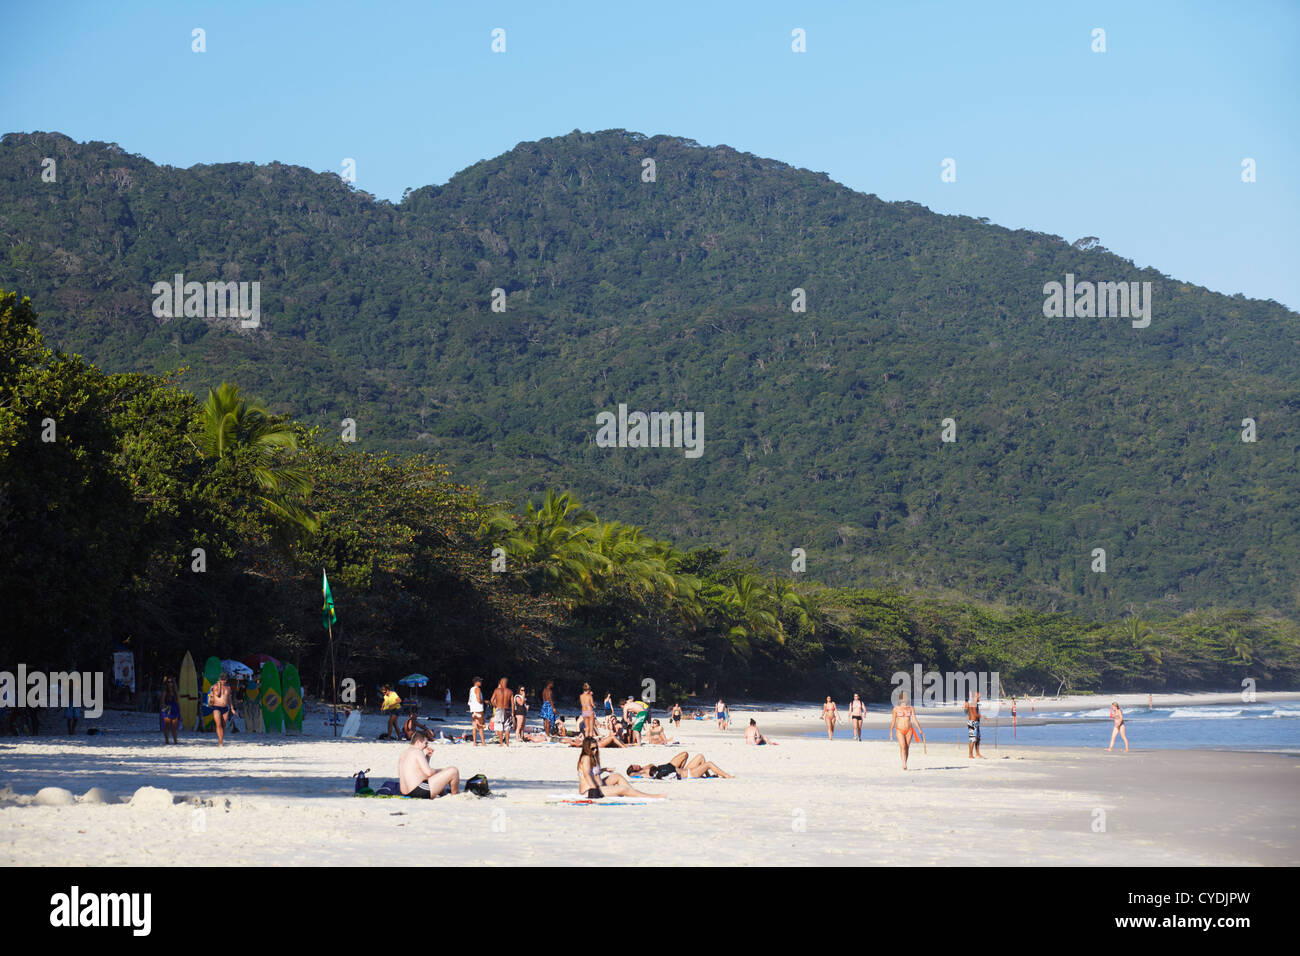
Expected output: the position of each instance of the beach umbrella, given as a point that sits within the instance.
(236, 669)
(414, 680)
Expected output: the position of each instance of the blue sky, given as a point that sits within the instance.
(1141, 145)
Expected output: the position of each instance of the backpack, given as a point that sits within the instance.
(362, 781)
(478, 785)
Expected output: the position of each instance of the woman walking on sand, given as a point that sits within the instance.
(828, 715)
(1117, 716)
(904, 721)
(857, 710)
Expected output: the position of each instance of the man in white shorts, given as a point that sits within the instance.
(476, 713)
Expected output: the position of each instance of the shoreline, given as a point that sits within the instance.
(808, 801)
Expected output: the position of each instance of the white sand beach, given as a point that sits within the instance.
(288, 801)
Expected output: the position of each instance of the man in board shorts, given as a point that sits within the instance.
(973, 727)
(501, 711)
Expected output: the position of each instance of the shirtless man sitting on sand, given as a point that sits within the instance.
(903, 719)
(416, 778)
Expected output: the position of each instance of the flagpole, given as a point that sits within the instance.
(335, 681)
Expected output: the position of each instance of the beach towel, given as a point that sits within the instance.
(577, 799)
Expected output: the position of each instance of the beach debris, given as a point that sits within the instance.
(150, 798)
(53, 797)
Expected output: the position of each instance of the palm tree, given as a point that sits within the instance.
(236, 426)
(1242, 648)
(747, 608)
(556, 537)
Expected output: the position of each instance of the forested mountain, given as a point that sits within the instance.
(822, 427)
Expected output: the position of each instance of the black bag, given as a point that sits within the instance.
(362, 781)
(478, 785)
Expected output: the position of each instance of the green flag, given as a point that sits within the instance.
(328, 616)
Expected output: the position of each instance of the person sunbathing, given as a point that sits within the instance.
(594, 782)
(752, 736)
(609, 740)
(657, 735)
(412, 725)
(679, 766)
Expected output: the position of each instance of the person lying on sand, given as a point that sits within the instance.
(416, 778)
(752, 736)
(595, 782)
(679, 766)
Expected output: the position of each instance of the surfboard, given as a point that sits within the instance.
(352, 726)
(291, 704)
(253, 708)
(211, 674)
(188, 691)
(272, 715)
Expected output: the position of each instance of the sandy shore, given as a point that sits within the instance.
(808, 801)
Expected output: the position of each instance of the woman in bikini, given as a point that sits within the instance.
(519, 706)
(657, 735)
(857, 710)
(594, 783)
(1117, 716)
(587, 704)
(904, 720)
(828, 715)
(676, 716)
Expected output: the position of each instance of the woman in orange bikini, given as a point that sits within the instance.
(904, 720)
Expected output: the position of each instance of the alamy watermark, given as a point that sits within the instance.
(651, 430)
(59, 689)
(216, 300)
(1099, 300)
(934, 689)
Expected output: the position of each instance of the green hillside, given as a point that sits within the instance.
(822, 428)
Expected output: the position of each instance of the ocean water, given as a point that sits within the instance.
(1259, 726)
